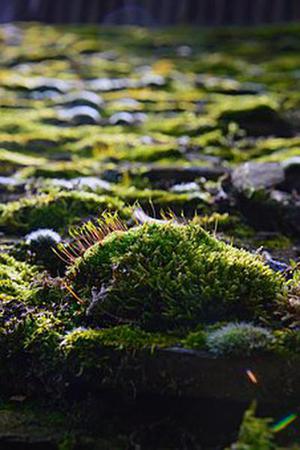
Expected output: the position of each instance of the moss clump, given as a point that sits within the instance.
(15, 278)
(239, 339)
(164, 276)
(57, 210)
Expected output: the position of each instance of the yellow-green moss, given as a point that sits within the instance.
(15, 278)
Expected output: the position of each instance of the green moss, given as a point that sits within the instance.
(164, 200)
(278, 242)
(239, 339)
(15, 278)
(195, 340)
(232, 225)
(157, 276)
(87, 342)
(280, 155)
(167, 276)
(57, 210)
(185, 124)
(255, 433)
(18, 159)
(66, 170)
(215, 221)
(287, 342)
(42, 336)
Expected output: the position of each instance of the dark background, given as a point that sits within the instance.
(152, 12)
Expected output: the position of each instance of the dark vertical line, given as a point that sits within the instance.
(200, 13)
(110, 8)
(163, 11)
(49, 12)
(172, 12)
(92, 10)
(249, 13)
(147, 6)
(194, 12)
(277, 12)
(238, 13)
(41, 12)
(208, 12)
(75, 11)
(59, 11)
(83, 15)
(120, 5)
(229, 10)
(267, 10)
(296, 10)
(180, 13)
(258, 11)
(219, 12)
(288, 11)
(13, 10)
(101, 13)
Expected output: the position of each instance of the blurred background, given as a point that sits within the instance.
(152, 12)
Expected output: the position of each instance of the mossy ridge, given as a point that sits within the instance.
(86, 342)
(170, 275)
(56, 211)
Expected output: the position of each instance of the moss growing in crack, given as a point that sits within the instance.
(165, 276)
(57, 210)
